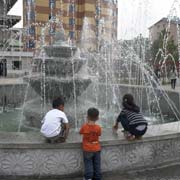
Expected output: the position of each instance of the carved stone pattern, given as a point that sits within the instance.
(176, 149)
(40, 162)
(67, 161)
(63, 163)
(17, 163)
(139, 155)
(111, 158)
(164, 150)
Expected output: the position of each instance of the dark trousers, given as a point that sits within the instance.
(59, 138)
(173, 83)
(92, 165)
(132, 128)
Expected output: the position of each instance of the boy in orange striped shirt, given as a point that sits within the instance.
(91, 146)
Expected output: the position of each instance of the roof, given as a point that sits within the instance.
(6, 5)
(164, 19)
(9, 20)
(10, 4)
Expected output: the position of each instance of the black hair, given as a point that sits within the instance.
(57, 102)
(128, 103)
(93, 113)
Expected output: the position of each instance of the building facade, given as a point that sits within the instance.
(89, 21)
(164, 24)
(6, 21)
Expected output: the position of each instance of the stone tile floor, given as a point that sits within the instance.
(166, 173)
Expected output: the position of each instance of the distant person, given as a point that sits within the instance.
(173, 77)
(157, 73)
(91, 146)
(55, 125)
(131, 119)
(1, 69)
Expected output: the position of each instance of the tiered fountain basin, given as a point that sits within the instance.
(26, 155)
(63, 50)
(55, 86)
(63, 75)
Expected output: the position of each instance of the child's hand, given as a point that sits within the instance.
(115, 127)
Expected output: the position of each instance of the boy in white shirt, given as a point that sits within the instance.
(55, 125)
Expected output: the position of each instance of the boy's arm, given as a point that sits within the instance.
(100, 131)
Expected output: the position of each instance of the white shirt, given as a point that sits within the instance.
(52, 122)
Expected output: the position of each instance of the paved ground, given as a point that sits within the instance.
(166, 173)
(20, 81)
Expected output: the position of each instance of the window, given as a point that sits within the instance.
(71, 34)
(17, 65)
(30, 15)
(52, 4)
(30, 44)
(29, 2)
(114, 13)
(71, 21)
(97, 22)
(51, 17)
(71, 8)
(98, 10)
(31, 30)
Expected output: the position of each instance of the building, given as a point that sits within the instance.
(164, 24)
(6, 21)
(13, 60)
(90, 21)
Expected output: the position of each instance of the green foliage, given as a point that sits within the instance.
(170, 47)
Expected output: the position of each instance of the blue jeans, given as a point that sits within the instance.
(132, 128)
(92, 165)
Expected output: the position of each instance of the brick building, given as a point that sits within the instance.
(164, 24)
(96, 17)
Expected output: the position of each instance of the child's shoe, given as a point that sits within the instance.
(128, 135)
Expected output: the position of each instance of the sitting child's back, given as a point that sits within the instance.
(52, 122)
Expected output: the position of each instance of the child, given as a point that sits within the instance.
(91, 146)
(131, 119)
(55, 125)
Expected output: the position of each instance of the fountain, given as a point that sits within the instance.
(63, 77)
(99, 78)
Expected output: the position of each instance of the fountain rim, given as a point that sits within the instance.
(34, 140)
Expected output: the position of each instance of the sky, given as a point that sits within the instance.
(134, 16)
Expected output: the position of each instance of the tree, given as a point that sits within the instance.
(162, 47)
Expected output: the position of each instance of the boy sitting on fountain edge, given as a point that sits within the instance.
(55, 125)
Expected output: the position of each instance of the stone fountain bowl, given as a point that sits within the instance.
(60, 50)
(60, 86)
(62, 67)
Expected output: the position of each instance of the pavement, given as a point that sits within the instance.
(19, 80)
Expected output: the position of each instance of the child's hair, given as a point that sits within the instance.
(128, 103)
(93, 114)
(57, 102)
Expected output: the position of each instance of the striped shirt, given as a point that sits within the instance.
(134, 118)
